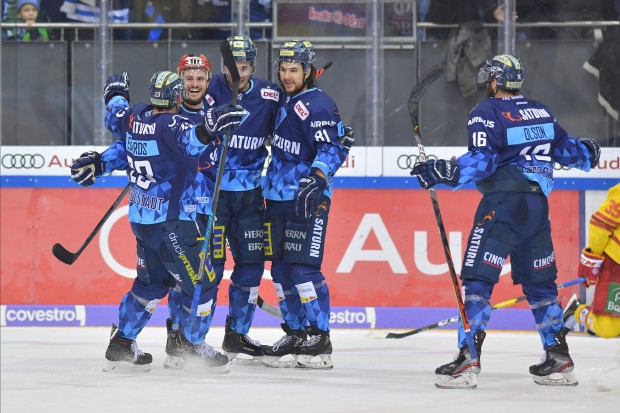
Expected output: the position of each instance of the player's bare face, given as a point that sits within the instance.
(246, 70)
(292, 77)
(197, 82)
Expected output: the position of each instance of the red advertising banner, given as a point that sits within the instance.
(383, 247)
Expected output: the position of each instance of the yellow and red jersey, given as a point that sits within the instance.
(605, 226)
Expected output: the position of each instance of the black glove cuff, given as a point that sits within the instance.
(203, 135)
(112, 94)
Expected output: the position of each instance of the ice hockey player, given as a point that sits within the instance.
(241, 206)
(156, 148)
(306, 153)
(600, 266)
(513, 145)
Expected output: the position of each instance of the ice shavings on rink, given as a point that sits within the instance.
(58, 369)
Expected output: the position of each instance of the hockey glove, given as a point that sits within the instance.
(116, 85)
(437, 171)
(594, 148)
(347, 139)
(310, 189)
(87, 168)
(589, 266)
(220, 118)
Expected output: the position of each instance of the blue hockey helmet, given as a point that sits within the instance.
(243, 49)
(505, 69)
(297, 51)
(164, 88)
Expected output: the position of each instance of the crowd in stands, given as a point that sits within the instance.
(397, 16)
(139, 11)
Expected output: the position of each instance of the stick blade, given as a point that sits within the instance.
(427, 79)
(63, 254)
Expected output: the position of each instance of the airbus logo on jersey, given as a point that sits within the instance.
(478, 119)
(321, 123)
(301, 110)
(270, 94)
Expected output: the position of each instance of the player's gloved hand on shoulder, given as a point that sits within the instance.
(87, 168)
(347, 139)
(437, 171)
(116, 85)
(589, 266)
(223, 119)
(310, 189)
(594, 148)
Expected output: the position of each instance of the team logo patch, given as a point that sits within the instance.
(301, 110)
(210, 100)
(487, 218)
(280, 116)
(270, 94)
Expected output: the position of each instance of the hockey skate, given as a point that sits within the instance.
(316, 351)
(283, 352)
(462, 371)
(123, 355)
(174, 348)
(240, 347)
(204, 358)
(556, 366)
(569, 319)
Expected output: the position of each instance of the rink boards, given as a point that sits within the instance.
(383, 261)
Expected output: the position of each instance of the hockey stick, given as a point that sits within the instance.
(69, 257)
(262, 304)
(229, 62)
(456, 319)
(413, 102)
(268, 308)
(320, 72)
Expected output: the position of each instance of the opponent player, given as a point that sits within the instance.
(513, 144)
(600, 265)
(156, 149)
(306, 153)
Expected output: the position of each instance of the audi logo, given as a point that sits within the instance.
(408, 161)
(23, 161)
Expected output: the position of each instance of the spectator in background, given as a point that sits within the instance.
(260, 11)
(88, 11)
(28, 12)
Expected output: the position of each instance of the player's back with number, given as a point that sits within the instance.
(161, 170)
(524, 133)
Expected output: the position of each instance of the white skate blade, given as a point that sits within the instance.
(242, 359)
(174, 363)
(321, 362)
(465, 381)
(557, 379)
(124, 367)
(284, 362)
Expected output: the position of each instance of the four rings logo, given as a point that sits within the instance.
(408, 161)
(23, 161)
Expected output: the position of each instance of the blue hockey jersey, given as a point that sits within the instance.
(207, 166)
(159, 153)
(306, 136)
(246, 154)
(519, 132)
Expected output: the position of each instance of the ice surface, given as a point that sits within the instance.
(58, 369)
